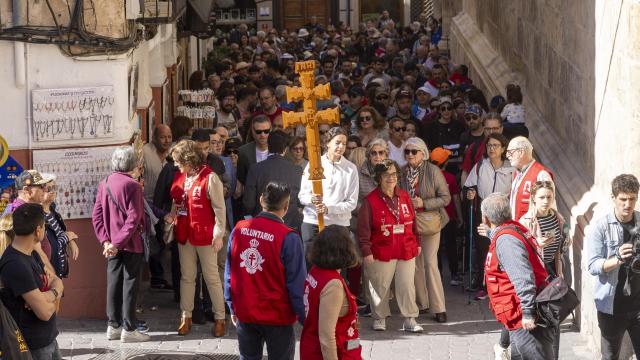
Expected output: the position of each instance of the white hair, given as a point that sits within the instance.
(521, 142)
(123, 159)
(496, 208)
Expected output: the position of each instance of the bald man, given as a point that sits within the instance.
(154, 156)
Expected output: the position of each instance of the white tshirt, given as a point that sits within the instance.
(397, 153)
(261, 155)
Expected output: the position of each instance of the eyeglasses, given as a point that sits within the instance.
(322, 132)
(297, 148)
(411, 151)
(351, 148)
(366, 118)
(512, 151)
(50, 189)
(232, 151)
(399, 129)
(258, 132)
(494, 146)
(445, 108)
(393, 175)
(382, 97)
(377, 153)
(471, 117)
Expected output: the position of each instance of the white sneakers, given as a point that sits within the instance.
(501, 353)
(113, 333)
(411, 325)
(133, 336)
(126, 336)
(379, 325)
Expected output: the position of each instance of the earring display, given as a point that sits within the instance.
(78, 172)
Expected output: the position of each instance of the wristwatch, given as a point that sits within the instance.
(55, 292)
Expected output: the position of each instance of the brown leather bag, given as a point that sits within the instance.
(428, 222)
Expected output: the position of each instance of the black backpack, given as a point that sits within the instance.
(12, 343)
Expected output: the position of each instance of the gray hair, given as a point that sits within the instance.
(496, 208)
(522, 142)
(379, 142)
(123, 159)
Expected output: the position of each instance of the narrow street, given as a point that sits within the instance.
(470, 334)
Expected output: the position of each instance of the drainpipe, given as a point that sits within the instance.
(348, 12)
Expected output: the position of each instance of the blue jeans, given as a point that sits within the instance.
(532, 345)
(49, 352)
(281, 341)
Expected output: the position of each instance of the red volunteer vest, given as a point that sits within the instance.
(346, 327)
(258, 287)
(523, 192)
(503, 300)
(195, 218)
(387, 244)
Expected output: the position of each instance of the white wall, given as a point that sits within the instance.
(47, 68)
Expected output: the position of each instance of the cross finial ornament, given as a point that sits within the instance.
(310, 117)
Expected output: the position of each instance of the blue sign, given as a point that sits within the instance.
(8, 172)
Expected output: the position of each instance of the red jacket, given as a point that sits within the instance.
(257, 280)
(392, 234)
(347, 334)
(195, 218)
(503, 300)
(522, 196)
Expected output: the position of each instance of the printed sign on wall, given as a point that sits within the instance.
(78, 172)
(73, 114)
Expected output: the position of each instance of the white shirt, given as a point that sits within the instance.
(261, 155)
(340, 192)
(397, 153)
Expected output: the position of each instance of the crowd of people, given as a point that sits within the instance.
(422, 171)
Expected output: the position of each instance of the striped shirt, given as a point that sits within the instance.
(550, 223)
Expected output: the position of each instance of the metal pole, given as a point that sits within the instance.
(470, 251)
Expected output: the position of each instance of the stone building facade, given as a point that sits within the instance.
(578, 65)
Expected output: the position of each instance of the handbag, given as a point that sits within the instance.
(556, 300)
(167, 235)
(428, 222)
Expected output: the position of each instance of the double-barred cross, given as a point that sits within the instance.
(310, 117)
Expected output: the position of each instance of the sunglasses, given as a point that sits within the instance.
(411, 151)
(471, 117)
(297, 148)
(366, 118)
(232, 151)
(398, 129)
(446, 108)
(50, 189)
(382, 97)
(378, 153)
(258, 132)
(322, 132)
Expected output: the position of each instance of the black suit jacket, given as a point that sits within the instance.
(246, 157)
(274, 168)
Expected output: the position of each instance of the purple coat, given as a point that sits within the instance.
(122, 227)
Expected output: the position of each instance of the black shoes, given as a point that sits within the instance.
(441, 317)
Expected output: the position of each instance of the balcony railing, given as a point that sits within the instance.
(162, 11)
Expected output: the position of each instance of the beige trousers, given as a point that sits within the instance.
(378, 277)
(428, 283)
(189, 256)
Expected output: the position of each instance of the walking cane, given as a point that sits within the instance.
(470, 250)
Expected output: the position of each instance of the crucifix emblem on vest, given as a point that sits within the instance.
(252, 260)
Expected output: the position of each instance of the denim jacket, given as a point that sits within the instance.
(604, 237)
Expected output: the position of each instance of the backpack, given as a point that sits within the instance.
(12, 343)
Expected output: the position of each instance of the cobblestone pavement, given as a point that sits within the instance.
(470, 334)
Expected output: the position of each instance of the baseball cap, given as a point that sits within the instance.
(423, 89)
(404, 94)
(33, 178)
(440, 155)
(473, 109)
(445, 99)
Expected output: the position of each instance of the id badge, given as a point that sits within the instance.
(353, 344)
(398, 229)
(182, 211)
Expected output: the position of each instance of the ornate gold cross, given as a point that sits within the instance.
(310, 117)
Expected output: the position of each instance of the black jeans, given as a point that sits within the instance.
(281, 341)
(308, 232)
(481, 244)
(450, 244)
(612, 329)
(123, 275)
(532, 345)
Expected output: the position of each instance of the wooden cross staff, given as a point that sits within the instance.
(310, 117)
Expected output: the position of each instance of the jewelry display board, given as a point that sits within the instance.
(78, 114)
(78, 172)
